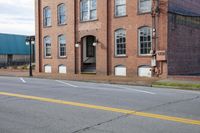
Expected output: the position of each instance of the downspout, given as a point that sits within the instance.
(75, 36)
(155, 17)
(157, 23)
(153, 25)
(108, 47)
(153, 52)
(155, 32)
(39, 35)
(160, 66)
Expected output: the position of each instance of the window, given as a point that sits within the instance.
(120, 42)
(120, 7)
(88, 10)
(145, 40)
(62, 46)
(47, 16)
(61, 14)
(62, 69)
(145, 6)
(144, 71)
(47, 45)
(120, 70)
(47, 69)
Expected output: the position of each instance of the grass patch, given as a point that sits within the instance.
(178, 85)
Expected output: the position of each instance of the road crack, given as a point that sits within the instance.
(170, 103)
(101, 123)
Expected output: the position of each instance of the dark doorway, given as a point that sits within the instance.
(90, 49)
(88, 55)
(10, 59)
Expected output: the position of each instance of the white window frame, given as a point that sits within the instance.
(60, 45)
(61, 14)
(46, 17)
(118, 5)
(139, 41)
(89, 11)
(120, 31)
(146, 10)
(45, 46)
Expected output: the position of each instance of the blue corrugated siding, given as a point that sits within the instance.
(13, 44)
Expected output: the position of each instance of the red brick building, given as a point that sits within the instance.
(118, 37)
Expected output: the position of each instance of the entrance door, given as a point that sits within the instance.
(90, 49)
(89, 55)
(10, 59)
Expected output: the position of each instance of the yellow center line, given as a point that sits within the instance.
(123, 111)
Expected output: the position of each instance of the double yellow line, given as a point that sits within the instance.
(123, 111)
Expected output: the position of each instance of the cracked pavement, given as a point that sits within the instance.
(30, 116)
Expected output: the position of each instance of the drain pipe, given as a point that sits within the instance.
(75, 39)
(108, 47)
(39, 35)
(155, 32)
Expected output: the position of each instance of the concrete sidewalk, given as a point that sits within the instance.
(14, 73)
(178, 82)
(82, 77)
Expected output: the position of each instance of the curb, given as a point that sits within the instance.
(99, 81)
(108, 81)
(176, 87)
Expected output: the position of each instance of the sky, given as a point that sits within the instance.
(17, 17)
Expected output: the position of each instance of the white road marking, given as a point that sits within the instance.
(121, 88)
(131, 89)
(148, 92)
(66, 83)
(22, 80)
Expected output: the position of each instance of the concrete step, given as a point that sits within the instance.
(90, 73)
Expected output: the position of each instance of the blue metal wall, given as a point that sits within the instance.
(13, 44)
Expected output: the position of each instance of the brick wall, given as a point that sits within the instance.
(98, 29)
(185, 6)
(103, 29)
(54, 31)
(184, 37)
(131, 23)
(183, 45)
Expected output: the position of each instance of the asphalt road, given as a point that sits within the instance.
(50, 106)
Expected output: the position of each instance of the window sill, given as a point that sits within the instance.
(62, 57)
(48, 57)
(85, 21)
(143, 13)
(120, 56)
(47, 26)
(120, 16)
(144, 55)
(62, 24)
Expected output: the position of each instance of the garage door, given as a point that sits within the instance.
(120, 71)
(62, 69)
(144, 71)
(47, 69)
